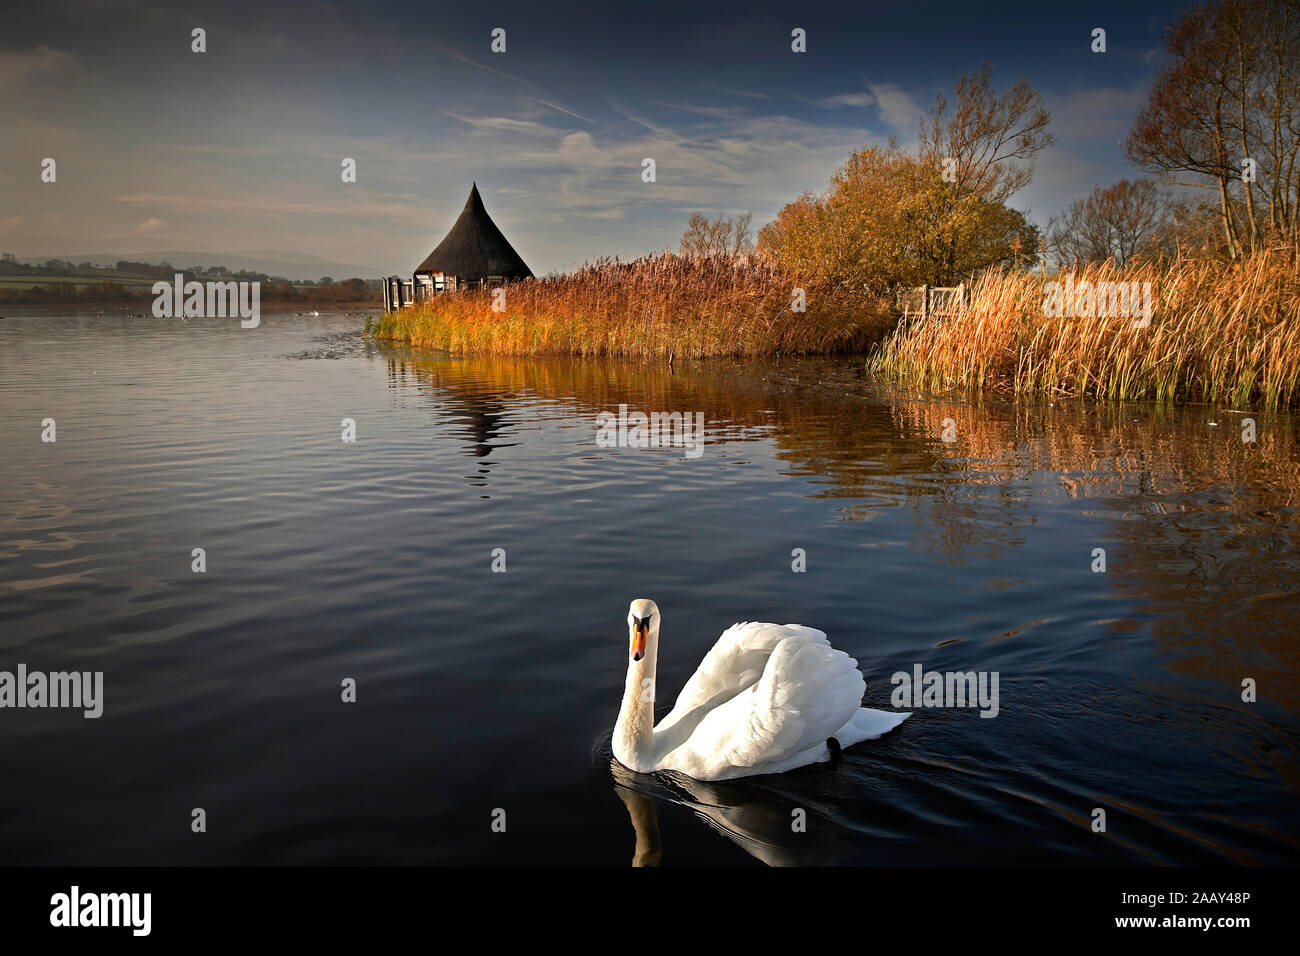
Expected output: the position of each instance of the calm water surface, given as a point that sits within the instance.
(480, 690)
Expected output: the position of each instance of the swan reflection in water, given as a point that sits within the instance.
(757, 814)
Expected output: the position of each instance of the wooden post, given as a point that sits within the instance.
(925, 302)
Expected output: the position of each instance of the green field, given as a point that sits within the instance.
(79, 278)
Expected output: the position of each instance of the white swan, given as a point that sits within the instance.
(765, 699)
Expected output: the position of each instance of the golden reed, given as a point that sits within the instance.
(1220, 332)
(660, 306)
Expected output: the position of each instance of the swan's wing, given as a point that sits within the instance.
(808, 691)
(735, 662)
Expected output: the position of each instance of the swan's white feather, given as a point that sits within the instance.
(868, 724)
(735, 662)
(764, 700)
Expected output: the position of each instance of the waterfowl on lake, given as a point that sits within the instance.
(767, 698)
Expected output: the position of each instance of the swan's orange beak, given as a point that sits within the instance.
(640, 628)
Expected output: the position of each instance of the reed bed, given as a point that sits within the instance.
(1226, 333)
(660, 306)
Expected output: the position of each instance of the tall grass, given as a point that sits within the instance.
(661, 306)
(1224, 333)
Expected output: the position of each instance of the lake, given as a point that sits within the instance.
(484, 695)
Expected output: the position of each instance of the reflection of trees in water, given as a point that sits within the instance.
(1208, 522)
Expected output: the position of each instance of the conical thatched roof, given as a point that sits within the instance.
(475, 248)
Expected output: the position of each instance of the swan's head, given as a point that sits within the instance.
(642, 624)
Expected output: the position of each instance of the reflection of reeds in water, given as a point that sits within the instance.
(820, 409)
(1110, 450)
(660, 306)
(812, 408)
(828, 422)
(732, 393)
(1206, 524)
(1219, 332)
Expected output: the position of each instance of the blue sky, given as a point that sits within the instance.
(240, 147)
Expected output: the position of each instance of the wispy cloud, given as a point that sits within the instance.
(501, 123)
(751, 94)
(541, 95)
(897, 108)
(845, 99)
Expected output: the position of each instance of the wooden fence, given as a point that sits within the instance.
(933, 301)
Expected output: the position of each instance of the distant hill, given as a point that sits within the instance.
(291, 265)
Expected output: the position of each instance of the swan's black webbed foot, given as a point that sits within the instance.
(833, 746)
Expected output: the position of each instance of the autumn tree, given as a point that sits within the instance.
(1224, 115)
(856, 233)
(984, 142)
(890, 219)
(992, 137)
(1113, 222)
(719, 236)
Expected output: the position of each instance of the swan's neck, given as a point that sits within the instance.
(634, 733)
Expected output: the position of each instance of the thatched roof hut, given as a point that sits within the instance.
(473, 251)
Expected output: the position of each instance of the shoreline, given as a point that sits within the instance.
(1201, 331)
(137, 308)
